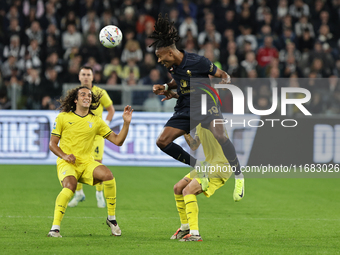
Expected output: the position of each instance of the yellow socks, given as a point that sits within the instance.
(192, 213)
(79, 186)
(61, 204)
(181, 211)
(99, 187)
(110, 196)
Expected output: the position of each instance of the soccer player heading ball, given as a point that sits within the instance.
(183, 66)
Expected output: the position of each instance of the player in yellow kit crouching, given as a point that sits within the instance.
(218, 171)
(72, 139)
(86, 79)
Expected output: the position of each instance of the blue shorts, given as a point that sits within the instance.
(183, 121)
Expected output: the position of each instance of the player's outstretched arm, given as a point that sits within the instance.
(160, 89)
(223, 75)
(58, 152)
(118, 139)
(110, 112)
(194, 143)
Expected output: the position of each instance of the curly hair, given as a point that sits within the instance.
(67, 104)
(165, 33)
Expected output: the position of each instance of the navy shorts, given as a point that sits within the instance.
(182, 120)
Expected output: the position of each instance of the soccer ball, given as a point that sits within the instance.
(110, 36)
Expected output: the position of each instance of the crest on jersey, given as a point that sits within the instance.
(184, 83)
(90, 124)
(211, 68)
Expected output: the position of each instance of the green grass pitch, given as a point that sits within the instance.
(277, 216)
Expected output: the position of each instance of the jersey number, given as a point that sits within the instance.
(96, 150)
(213, 110)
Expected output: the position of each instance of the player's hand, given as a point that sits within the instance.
(169, 94)
(226, 80)
(187, 136)
(158, 89)
(70, 158)
(127, 115)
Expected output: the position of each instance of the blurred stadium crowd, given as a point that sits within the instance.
(43, 44)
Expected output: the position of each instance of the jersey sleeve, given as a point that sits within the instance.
(104, 129)
(206, 66)
(58, 126)
(105, 100)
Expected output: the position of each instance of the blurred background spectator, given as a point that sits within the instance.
(43, 43)
(5, 104)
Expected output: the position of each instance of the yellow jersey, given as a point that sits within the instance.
(219, 165)
(105, 100)
(212, 149)
(77, 133)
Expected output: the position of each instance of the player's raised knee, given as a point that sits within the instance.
(178, 189)
(185, 192)
(70, 182)
(161, 142)
(107, 176)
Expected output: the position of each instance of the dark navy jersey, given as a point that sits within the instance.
(192, 66)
